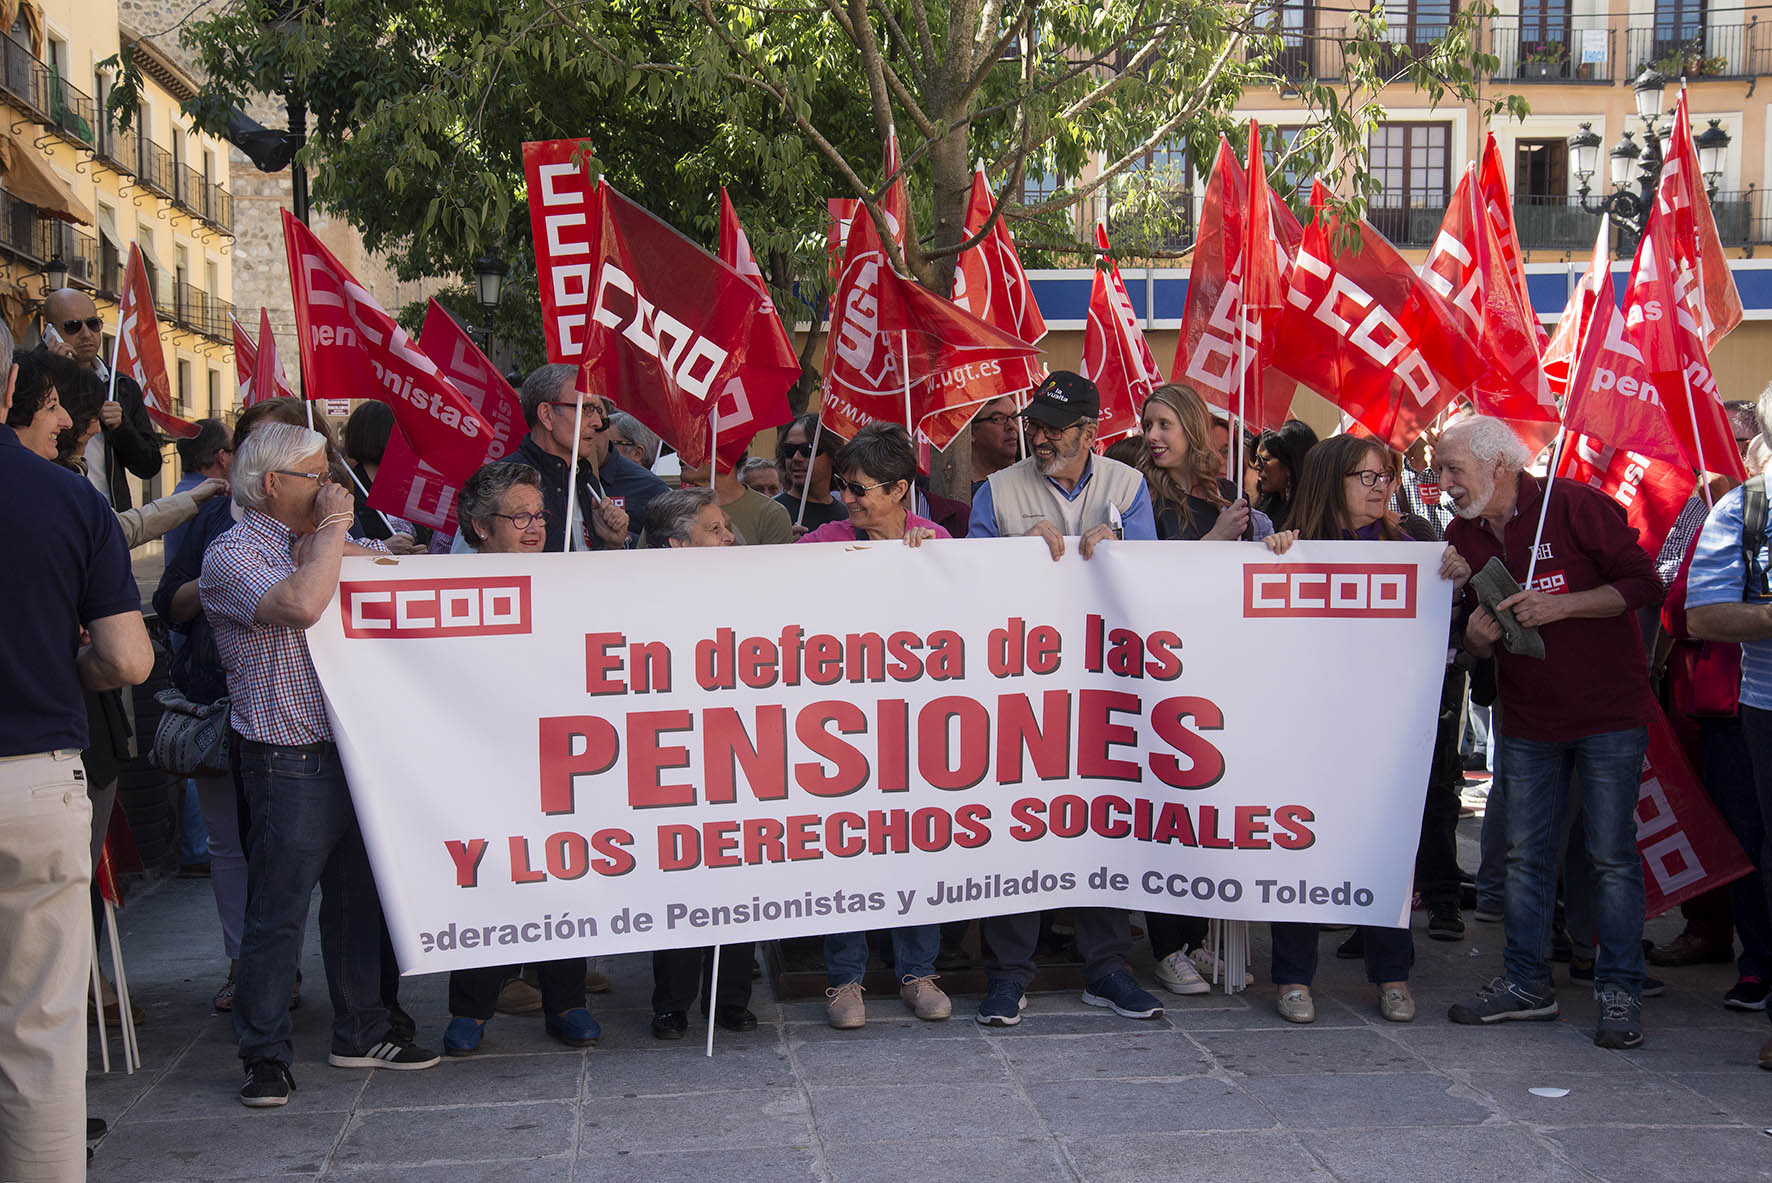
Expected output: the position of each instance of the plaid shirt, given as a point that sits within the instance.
(1422, 497)
(274, 691)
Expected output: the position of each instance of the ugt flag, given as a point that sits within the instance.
(138, 353)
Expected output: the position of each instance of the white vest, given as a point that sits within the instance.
(1023, 498)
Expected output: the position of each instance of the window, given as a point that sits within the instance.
(184, 387)
(1420, 23)
(1541, 168)
(110, 259)
(1678, 23)
(214, 395)
(1411, 163)
(144, 238)
(1156, 202)
(1300, 170)
(1296, 22)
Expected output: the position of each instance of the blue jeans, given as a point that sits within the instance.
(913, 953)
(1538, 779)
(1491, 876)
(193, 837)
(304, 832)
(1728, 766)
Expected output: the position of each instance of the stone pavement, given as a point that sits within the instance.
(1219, 1090)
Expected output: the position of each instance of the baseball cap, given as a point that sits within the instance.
(1063, 400)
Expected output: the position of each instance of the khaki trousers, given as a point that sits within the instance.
(45, 966)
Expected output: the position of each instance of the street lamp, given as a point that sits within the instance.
(55, 274)
(489, 282)
(1629, 209)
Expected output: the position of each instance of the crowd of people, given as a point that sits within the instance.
(1572, 670)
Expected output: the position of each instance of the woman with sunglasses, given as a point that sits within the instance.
(876, 474)
(501, 512)
(876, 483)
(1279, 462)
(1344, 494)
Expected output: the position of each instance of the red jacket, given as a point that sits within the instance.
(1594, 677)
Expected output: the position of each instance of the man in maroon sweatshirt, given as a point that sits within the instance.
(1581, 711)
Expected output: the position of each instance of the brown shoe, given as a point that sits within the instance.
(845, 1010)
(925, 998)
(1766, 1055)
(517, 997)
(1690, 949)
(596, 981)
(1395, 1002)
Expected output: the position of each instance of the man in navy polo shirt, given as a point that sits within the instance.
(66, 570)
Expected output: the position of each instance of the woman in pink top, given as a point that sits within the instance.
(875, 475)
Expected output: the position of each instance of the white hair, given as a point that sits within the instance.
(1765, 409)
(1490, 441)
(268, 447)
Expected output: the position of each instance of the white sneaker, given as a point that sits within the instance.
(1206, 961)
(1177, 974)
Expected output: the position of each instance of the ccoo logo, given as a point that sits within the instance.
(427, 608)
(1336, 590)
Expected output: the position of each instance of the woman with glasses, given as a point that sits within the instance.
(501, 513)
(1344, 494)
(1279, 462)
(876, 474)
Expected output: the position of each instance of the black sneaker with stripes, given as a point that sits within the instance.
(401, 1055)
(268, 1084)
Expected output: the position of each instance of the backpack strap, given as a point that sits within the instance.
(1753, 537)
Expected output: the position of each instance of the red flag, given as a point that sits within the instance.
(1115, 355)
(1468, 267)
(1206, 350)
(671, 327)
(989, 282)
(351, 348)
(744, 412)
(1700, 268)
(888, 333)
(562, 217)
(1612, 394)
(1653, 492)
(405, 485)
(246, 365)
(1661, 321)
(1362, 329)
(139, 355)
(1685, 846)
(896, 205)
(268, 370)
(842, 212)
(1578, 315)
(1493, 194)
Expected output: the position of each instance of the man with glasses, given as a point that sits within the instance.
(994, 439)
(127, 444)
(613, 491)
(1063, 490)
(265, 582)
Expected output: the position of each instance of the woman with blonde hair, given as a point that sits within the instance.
(1182, 469)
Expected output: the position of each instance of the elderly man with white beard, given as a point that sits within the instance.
(1579, 712)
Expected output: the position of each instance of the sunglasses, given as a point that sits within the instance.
(796, 450)
(72, 327)
(855, 490)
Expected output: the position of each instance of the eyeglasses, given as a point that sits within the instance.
(1260, 461)
(856, 490)
(71, 327)
(319, 478)
(602, 419)
(791, 450)
(1047, 431)
(992, 420)
(523, 520)
(1370, 477)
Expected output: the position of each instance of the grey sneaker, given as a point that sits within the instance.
(1502, 1000)
(1621, 1020)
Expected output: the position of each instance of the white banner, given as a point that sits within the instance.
(559, 754)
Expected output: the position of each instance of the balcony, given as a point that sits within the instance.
(1718, 51)
(201, 312)
(77, 248)
(21, 229)
(71, 110)
(208, 201)
(1554, 222)
(1558, 55)
(1409, 218)
(219, 209)
(23, 78)
(154, 169)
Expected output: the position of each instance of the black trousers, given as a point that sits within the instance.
(1171, 934)
(1389, 954)
(680, 977)
(1436, 858)
(473, 993)
(1104, 938)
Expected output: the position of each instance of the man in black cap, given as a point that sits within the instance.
(1063, 489)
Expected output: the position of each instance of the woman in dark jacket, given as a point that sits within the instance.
(1279, 458)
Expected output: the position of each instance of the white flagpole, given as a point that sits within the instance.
(1550, 477)
(904, 358)
(713, 1005)
(578, 412)
(1697, 435)
(98, 1012)
(116, 344)
(1242, 424)
(132, 1056)
(806, 485)
(361, 488)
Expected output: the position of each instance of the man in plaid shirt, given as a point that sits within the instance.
(264, 583)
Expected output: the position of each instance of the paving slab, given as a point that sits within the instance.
(1025, 1160)
(1081, 1109)
(1222, 1157)
(881, 1112)
(1729, 1156)
(1468, 1153)
(1152, 1054)
(459, 1134)
(733, 1119)
(1374, 1101)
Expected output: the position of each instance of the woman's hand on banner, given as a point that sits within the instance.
(1281, 541)
(917, 535)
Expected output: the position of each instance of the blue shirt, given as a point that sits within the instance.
(66, 566)
(1719, 576)
(1137, 524)
(186, 483)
